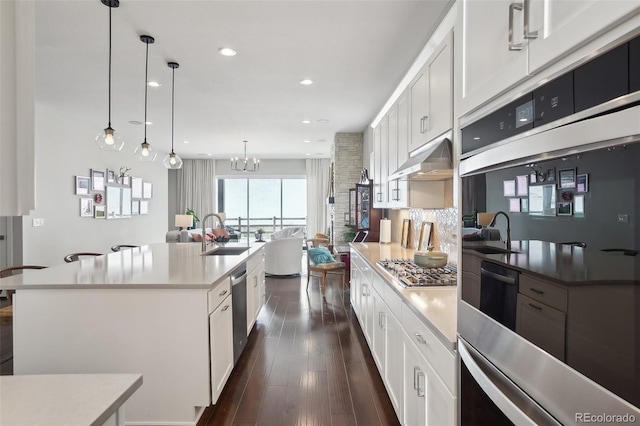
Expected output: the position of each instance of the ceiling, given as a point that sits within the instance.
(356, 53)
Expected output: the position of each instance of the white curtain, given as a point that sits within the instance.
(197, 187)
(317, 192)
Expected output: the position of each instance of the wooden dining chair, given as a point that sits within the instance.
(324, 262)
(121, 246)
(14, 270)
(74, 257)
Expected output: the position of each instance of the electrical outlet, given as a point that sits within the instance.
(623, 218)
(37, 222)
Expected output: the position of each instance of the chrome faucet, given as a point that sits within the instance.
(493, 223)
(204, 239)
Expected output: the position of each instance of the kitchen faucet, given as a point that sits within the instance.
(204, 240)
(493, 223)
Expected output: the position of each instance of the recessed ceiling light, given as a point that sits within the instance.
(306, 141)
(185, 142)
(148, 123)
(154, 84)
(306, 82)
(227, 51)
(209, 155)
(323, 120)
(306, 121)
(308, 153)
(476, 138)
(136, 122)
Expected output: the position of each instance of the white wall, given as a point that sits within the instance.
(65, 148)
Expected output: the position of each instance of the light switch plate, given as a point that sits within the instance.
(37, 222)
(624, 218)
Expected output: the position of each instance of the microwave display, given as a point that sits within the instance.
(524, 114)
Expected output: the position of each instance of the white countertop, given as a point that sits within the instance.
(437, 307)
(64, 399)
(162, 265)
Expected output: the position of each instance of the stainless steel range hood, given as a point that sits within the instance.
(433, 161)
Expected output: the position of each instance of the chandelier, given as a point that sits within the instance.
(244, 165)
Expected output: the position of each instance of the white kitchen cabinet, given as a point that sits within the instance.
(562, 25)
(381, 168)
(221, 343)
(489, 64)
(497, 54)
(431, 94)
(398, 150)
(426, 399)
(255, 279)
(542, 325)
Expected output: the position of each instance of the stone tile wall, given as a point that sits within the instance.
(346, 154)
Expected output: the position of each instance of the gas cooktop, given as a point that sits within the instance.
(409, 274)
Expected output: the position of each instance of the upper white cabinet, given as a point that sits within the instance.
(503, 42)
(431, 94)
(381, 168)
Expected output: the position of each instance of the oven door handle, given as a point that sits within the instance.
(508, 397)
(501, 278)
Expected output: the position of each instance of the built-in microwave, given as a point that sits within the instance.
(549, 325)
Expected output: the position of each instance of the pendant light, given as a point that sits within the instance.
(108, 139)
(144, 152)
(245, 165)
(172, 161)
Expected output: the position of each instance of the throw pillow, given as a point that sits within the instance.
(220, 232)
(319, 255)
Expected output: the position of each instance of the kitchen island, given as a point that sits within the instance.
(162, 310)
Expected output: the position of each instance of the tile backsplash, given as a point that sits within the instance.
(444, 231)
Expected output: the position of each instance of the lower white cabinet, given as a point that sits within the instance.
(221, 343)
(255, 289)
(426, 398)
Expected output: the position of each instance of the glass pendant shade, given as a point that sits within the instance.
(172, 161)
(144, 152)
(109, 140)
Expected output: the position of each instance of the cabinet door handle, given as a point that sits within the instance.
(397, 191)
(421, 389)
(535, 290)
(224, 292)
(529, 35)
(416, 371)
(535, 307)
(512, 8)
(424, 128)
(381, 318)
(420, 339)
(225, 308)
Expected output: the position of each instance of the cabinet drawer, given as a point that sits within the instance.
(218, 294)
(541, 325)
(378, 284)
(442, 360)
(255, 260)
(542, 291)
(393, 301)
(471, 263)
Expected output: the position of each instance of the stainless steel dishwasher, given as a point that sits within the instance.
(239, 303)
(499, 293)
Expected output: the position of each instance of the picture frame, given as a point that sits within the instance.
(551, 175)
(509, 188)
(136, 187)
(406, 225)
(83, 185)
(514, 205)
(147, 190)
(126, 180)
(99, 212)
(135, 207)
(524, 205)
(111, 176)
(567, 178)
(86, 207)
(582, 183)
(144, 207)
(425, 236)
(564, 208)
(578, 206)
(522, 186)
(533, 177)
(97, 180)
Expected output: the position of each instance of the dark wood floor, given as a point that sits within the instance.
(306, 363)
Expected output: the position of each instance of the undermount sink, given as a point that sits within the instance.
(227, 251)
(492, 250)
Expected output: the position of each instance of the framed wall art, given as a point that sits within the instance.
(97, 180)
(406, 225)
(83, 185)
(425, 236)
(567, 178)
(111, 176)
(522, 186)
(514, 205)
(578, 206)
(99, 212)
(136, 187)
(147, 190)
(86, 207)
(565, 209)
(582, 183)
(509, 188)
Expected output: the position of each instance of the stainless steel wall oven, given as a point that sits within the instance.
(549, 326)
